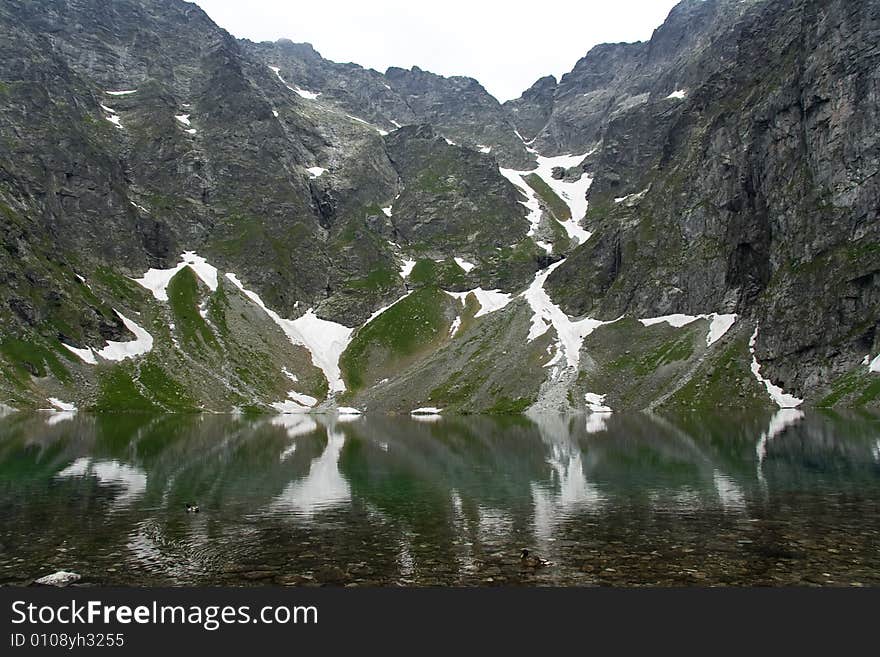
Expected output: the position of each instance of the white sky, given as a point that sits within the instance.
(506, 45)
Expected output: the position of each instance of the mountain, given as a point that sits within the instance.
(193, 221)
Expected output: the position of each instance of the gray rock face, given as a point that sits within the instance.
(453, 200)
(463, 111)
(459, 108)
(531, 111)
(756, 182)
(613, 78)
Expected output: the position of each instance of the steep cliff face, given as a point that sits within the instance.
(751, 192)
(195, 221)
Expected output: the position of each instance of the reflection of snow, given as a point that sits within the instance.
(294, 425)
(405, 560)
(59, 416)
(731, 495)
(784, 418)
(132, 480)
(597, 422)
(494, 523)
(570, 491)
(323, 488)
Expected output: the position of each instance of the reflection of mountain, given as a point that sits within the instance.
(322, 488)
(449, 495)
(784, 418)
(131, 481)
(295, 425)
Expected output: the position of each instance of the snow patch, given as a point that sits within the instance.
(456, 324)
(85, 355)
(572, 193)
(718, 328)
(303, 400)
(490, 300)
(782, 399)
(384, 308)
(119, 351)
(427, 418)
(304, 93)
(62, 405)
(632, 197)
(376, 128)
(309, 95)
(113, 117)
(681, 94)
(387, 211)
(531, 203)
(348, 410)
(325, 340)
(484, 149)
(289, 407)
(183, 119)
(157, 280)
(875, 365)
(596, 403)
(426, 410)
(569, 334)
(464, 264)
(121, 93)
(407, 267)
(316, 172)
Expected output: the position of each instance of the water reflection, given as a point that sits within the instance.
(295, 499)
(323, 487)
(131, 482)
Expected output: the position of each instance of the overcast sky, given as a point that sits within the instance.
(506, 45)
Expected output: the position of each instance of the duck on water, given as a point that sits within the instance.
(529, 560)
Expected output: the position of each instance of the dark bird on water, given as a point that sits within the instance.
(192, 508)
(529, 560)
